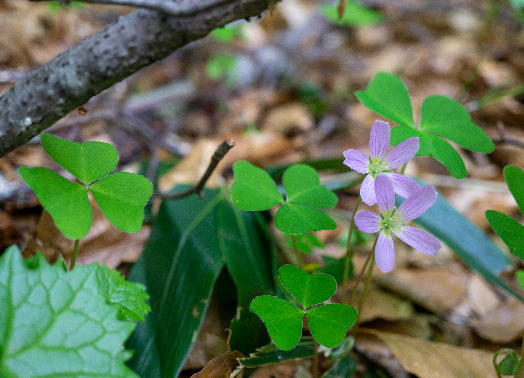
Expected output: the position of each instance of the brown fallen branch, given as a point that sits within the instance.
(219, 154)
(135, 41)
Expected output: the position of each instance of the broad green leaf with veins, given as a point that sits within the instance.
(55, 323)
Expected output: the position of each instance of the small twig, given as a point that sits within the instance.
(504, 138)
(177, 8)
(219, 154)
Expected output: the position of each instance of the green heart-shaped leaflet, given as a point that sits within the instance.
(253, 189)
(87, 161)
(387, 95)
(282, 320)
(66, 201)
(304, 196)
(121, 197)
(447, 118)
(308, 289)
(509, 230)
(329, 323)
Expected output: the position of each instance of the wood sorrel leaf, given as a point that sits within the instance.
(329, 323)
(282, 319)
(446, 117)
(48, 314)
(515, 180)
(387, 95)
(298, 219)
(253, 189)
(66, 201)
(308, 289)
(303, 186)
(121, 197)
(87, 161)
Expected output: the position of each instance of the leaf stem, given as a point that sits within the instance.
(297, 251)
(75, 252)
(349, 252)
(315, 358)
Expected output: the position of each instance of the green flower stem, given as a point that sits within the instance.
(368, 279)
(75, 252)
(370, 257)
(297, 251)
(520, 368)
(403, 168)
(349, 252)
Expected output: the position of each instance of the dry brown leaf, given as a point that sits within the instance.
(481, 297)
(438, 290)
(380, 304)
(221, 366)
(427, 359)
(505, 323)
(289, 118)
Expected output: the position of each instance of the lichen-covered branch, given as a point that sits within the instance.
(101, 60)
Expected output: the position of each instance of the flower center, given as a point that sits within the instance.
(376, 167)
(390, 222)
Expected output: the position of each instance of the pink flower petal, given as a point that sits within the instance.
(419, 239)
(356, 160)
(403, 185)
(367, 222)
(402, 153)
(379, 139)
(367, 191)
(384, 193)
(417, 203)
(384, 252)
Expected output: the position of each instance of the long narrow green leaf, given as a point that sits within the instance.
(188, 248)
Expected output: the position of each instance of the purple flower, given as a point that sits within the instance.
(391, 221)
(380, 163)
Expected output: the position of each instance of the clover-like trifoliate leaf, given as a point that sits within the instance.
(328, 323)
(308, 289)
(131, 297)
(387, 95)
(55, 323)
(282, 320)
(303, 186)
(87, 161)
(121, 197)
(447, 118)
(253, 189)
(66, 201)
(509, 230)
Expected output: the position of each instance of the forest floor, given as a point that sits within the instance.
(283, 88)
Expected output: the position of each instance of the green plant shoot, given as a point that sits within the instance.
(121, 196)
(328, 323)
(440, 118)
(255, 190)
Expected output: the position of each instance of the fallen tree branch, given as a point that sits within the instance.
(69, 80)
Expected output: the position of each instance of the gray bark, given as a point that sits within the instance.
(69, 80)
